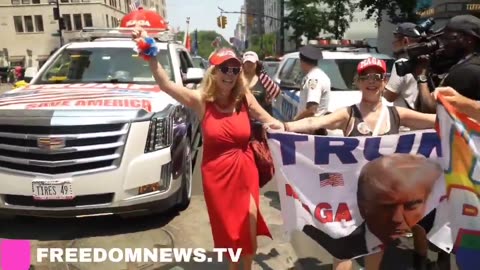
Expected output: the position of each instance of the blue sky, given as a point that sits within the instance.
(203, 14)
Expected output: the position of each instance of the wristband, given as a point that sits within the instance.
(147, 48)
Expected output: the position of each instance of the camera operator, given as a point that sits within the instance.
(461, 40)
(403, 90)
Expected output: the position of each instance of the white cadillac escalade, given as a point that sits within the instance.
(94, 135)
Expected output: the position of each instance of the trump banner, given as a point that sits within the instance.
(356, 195)
(461, 143)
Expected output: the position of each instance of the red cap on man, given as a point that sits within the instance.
(372, 62)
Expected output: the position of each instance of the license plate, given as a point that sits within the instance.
(52, 190)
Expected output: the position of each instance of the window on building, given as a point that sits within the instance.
(39, 23)
(67, 21)
(15, 2)
(35, 1)
(28, 23)
(77, 21)
(63, 1)
(144, 3)
(25, 2)
(87, 20)
(18, 22)
(106, 19)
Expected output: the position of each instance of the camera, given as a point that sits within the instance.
(429, 45)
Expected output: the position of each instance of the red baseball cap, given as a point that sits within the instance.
(372, 62)
(222, 55)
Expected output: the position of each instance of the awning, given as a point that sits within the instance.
(16, 58)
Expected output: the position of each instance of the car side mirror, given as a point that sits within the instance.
(194, 75)
(289, 85)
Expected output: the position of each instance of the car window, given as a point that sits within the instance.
(270, 68)
(287, 67)
(342, 72)
(296, 74)
(90, 65)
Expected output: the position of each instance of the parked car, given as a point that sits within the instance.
(93, 134)
(340, 65)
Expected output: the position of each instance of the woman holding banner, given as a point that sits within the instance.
(230, 176)
(370, 117)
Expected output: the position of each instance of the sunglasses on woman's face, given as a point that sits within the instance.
(372, 76)
(226, 70)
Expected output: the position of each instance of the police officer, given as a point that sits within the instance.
(315, 92)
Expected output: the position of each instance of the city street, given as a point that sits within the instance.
(189, 228)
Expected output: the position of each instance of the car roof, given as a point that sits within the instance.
(344, 55)
(110, 43)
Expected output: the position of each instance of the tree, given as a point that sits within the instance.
(205, 39)
(305, 19)
(397, 10)
(263, 45)
(340, 12)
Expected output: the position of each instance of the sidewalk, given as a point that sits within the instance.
(5, 87)
(190, 229)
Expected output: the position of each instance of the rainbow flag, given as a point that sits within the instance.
(460, 137)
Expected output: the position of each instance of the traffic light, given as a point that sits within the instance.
(224, 21)
(219, 21)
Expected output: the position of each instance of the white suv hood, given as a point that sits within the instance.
(91, 96)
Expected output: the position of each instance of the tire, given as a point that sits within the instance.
(186, 192)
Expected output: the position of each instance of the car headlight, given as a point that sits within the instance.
(160, 132)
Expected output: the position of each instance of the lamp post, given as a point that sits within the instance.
(56, 16)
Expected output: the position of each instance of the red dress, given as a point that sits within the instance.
(230, 176)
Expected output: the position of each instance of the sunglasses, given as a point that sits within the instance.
(226, 70)
(372, 76)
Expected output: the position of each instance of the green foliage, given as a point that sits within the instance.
(341, 13)
(263, 45)
(397, 10)
(205, 39)
(305, 19)
(310, 17)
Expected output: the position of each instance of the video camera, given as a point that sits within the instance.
(429, 45)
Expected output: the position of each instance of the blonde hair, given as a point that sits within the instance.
(209, 87)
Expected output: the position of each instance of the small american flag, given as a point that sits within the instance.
(332, 179)
(134, 5)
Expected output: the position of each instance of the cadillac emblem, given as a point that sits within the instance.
(51, 143)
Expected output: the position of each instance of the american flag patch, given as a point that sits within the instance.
(331, 179)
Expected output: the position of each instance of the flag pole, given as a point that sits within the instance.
(186, 32)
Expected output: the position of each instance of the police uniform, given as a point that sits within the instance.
(315, 85)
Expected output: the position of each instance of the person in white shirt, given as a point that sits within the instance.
(315, 92)
(403, 90)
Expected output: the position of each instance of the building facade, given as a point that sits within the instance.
(30, 31)
(255, 19)
(272, 12)
(240, 30)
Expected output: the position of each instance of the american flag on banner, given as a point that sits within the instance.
(134, 5)
(331, 179)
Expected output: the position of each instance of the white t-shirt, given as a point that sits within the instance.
(315, 88)
(406, 87)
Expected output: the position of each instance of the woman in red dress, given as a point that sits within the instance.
(230, 177)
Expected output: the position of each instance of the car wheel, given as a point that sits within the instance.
(187, 177)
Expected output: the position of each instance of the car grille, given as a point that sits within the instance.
(62, 149)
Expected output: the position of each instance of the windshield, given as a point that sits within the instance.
(342, 71)
(270, 68)
(102, 65)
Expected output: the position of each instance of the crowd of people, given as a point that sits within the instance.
(236, 97)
